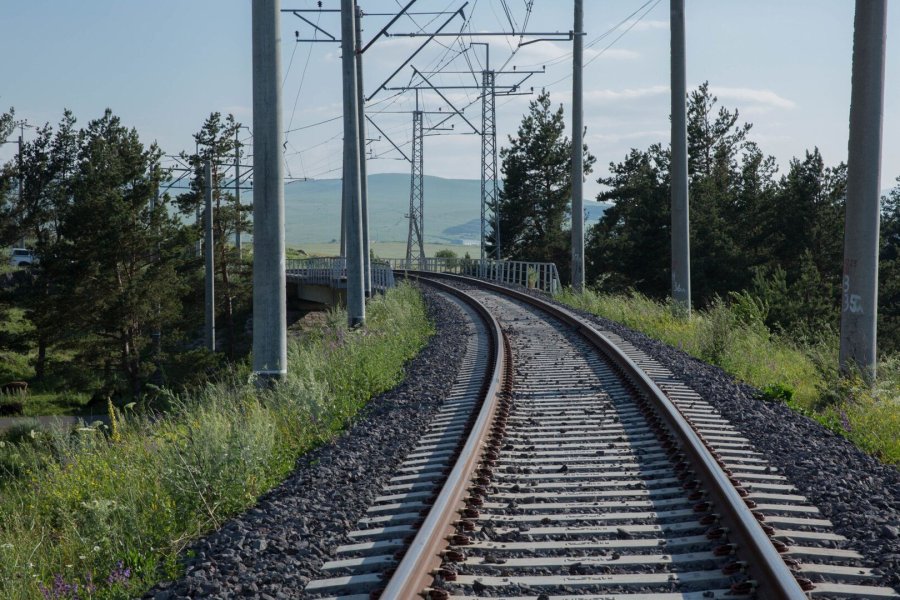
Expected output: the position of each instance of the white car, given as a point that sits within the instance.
(22, 257)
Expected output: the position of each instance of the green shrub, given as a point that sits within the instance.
(86, 505)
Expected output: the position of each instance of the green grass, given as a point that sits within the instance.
(732, 336)
(77, 504)
(50, 396)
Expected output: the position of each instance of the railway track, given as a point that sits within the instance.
(568, 464)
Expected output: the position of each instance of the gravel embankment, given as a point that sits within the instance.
(274, 549)
(860, 495)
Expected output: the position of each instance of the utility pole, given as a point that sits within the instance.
(578, 150)
(21, 175)
(681, 244)
(859, 310)
(209, 251)
(237, 195)
(416, 190)
(269, 285)
(356, 292)
(363, 177)
(156, 336)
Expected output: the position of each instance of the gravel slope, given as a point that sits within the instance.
(860, 495)
(275, 548)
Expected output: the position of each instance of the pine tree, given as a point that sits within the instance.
(889, 274)
(217, 142)
(115, 265)
(537, 188)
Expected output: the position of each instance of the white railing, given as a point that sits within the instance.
(532, 275)
(332, 271)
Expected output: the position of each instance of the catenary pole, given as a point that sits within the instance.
(859, 310)
(356, 301)
(21, 178)
(237, 195)
(269, 309)
(363, 177)
(577, 151)
(156, 335)
(681, 245)
(209, 252)
(21, 175)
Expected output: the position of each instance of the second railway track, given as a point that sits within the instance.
(592, 474)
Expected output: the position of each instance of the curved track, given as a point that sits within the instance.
(591, 473)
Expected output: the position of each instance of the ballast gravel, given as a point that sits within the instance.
(859, 494)
(272, 550)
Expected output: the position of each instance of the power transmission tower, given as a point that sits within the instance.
(489, 160)
(416, 190)
(416, 236)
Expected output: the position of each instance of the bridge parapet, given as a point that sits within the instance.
(532, 275)
(332, 272)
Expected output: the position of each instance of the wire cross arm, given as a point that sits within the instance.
(445, 99)
(557, 36)
(297, 37)
(388, 138)
(568, 38)
(419, 49)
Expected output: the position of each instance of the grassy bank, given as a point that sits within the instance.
(109, 511)
(47, 397)
(733, 336)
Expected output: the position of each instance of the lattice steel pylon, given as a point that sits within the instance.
(489, 162)
(416, 191)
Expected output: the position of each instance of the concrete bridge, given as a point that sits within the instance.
(318, 283)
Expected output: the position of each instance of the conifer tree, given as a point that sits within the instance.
(217, 142)
(534, 201)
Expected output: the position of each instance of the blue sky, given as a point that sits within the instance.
(164, 65)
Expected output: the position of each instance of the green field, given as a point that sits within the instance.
(384, 249)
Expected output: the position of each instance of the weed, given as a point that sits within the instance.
(122, 508)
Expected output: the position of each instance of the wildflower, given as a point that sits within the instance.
(120, 574)
(89, 586)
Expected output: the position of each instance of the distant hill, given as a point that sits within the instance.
(452, 209)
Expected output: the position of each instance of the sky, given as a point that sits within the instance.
(164, 65)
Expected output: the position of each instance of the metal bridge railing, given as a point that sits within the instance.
(332, 271)
(532, 275)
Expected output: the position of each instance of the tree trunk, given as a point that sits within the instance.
(229, 313)
(41, 363)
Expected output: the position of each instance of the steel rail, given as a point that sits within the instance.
(423, 556)
(772, 576)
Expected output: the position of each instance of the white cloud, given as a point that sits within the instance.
(760, 98)
(625, 94)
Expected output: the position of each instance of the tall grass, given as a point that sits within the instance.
(733, 336)
(110, 511)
